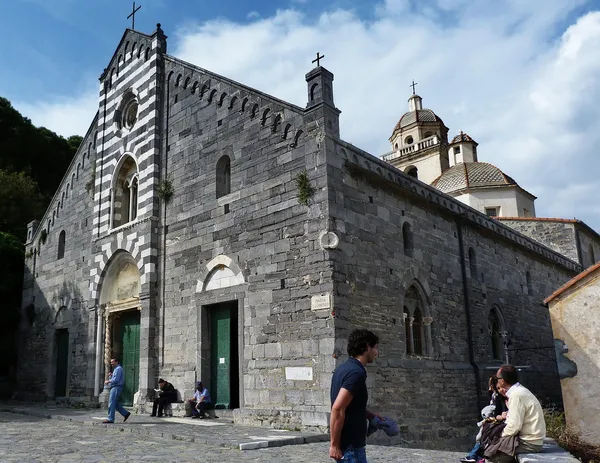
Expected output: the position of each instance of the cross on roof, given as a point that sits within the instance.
(413, 85)
(132, 15)
(319, 58)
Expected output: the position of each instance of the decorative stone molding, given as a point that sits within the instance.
(328, 240)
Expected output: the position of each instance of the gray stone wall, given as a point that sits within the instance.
(590, 245)
(58, 289)
(261, 227)
(435, 395)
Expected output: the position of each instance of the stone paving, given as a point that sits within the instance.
(29, 439)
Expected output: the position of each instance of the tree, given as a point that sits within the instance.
(20, 202)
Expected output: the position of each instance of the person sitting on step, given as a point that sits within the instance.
(201, 401)
(166, 395)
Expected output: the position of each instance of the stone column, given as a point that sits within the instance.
(111, 213)
(107, 344)
(410, 341)
(98, 366)
(148, 352)
(427, 321)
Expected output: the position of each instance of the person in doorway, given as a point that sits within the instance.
(349, 396)
(166, 395)
(201, 401)
(115, 383)
(525, 418)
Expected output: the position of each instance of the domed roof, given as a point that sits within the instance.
(471, 175)
(462, 137)
(419, 115)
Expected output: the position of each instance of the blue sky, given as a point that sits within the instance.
(520, 76)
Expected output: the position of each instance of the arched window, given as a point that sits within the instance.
(61, 245)
(592, 255)
(528, 282)
(409, 140)
(428, 134)
(223, 176)
(413, 172)
(473, 263)
(497, 333)
(124, 193)
(417, 325)
(407, 239)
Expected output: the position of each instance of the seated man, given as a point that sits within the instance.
(525, 418)
(166, 395)
(200, 402)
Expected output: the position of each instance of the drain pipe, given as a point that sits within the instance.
(463, 271)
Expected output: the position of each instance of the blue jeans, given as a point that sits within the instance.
(354, 455)
(114, 404)
(474, 451)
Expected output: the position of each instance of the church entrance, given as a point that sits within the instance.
(128, 343)
(224, 384)
(62, 362)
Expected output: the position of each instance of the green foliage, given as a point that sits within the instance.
(305, 189)
(11, 270)
(165, 190)
(43, 236)
(557, 429)
(20, 202)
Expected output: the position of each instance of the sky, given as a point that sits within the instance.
(522, 77)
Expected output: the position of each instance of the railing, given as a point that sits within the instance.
(414, 148)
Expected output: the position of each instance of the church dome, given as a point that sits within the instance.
(419, 115)
(471, 175)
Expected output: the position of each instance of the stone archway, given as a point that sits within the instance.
(119, 309)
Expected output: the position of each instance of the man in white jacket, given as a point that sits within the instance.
(525, 417)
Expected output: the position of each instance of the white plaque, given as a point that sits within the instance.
(320, 302)
(221, 359)
(299, 373)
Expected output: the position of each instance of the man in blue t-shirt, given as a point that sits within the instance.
(115, 383)
(349, 396)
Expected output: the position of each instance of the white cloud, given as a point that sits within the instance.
(64, 115)
(511, 74)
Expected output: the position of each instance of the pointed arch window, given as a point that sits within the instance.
(497, 333)
(61, 244)
(124, 193)
(223, 176)
(592, 254)
(473, 263)
(417, 323)
(407, 239)
(413, 172)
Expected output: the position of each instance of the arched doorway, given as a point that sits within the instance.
(119, 297)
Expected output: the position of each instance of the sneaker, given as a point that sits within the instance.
(126, 417)
(468, 460)
(107, 422)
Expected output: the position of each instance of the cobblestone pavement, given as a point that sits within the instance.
(28, 439)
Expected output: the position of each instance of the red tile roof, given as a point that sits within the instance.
(572, 282)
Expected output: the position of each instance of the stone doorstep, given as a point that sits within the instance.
(256, 443)
(551, 453)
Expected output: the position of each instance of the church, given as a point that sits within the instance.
(209, 231)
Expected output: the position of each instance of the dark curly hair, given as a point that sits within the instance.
(360, 340)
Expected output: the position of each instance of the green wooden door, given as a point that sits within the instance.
(62, 363)
(130, 361)
(221, 356)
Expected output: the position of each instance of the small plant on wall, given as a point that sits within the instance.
(165, 190)
(305, 189)
(43, 236)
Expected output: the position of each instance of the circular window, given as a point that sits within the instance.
(409, 140)
(130, 113)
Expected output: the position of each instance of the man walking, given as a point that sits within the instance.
(115, 384)
(349, 396)
(525, 418)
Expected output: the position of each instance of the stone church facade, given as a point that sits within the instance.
(209, 231)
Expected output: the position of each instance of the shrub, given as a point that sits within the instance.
(558, 430)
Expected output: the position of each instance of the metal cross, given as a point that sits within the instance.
(132, 15)
(413, 85)
(319, 58)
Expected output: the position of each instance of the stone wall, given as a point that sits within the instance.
(56, 290)
(575, 316)
(261, 231)
(434, 396)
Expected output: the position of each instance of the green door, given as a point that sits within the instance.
(130, 356)
(62, 362)
(221, 356)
